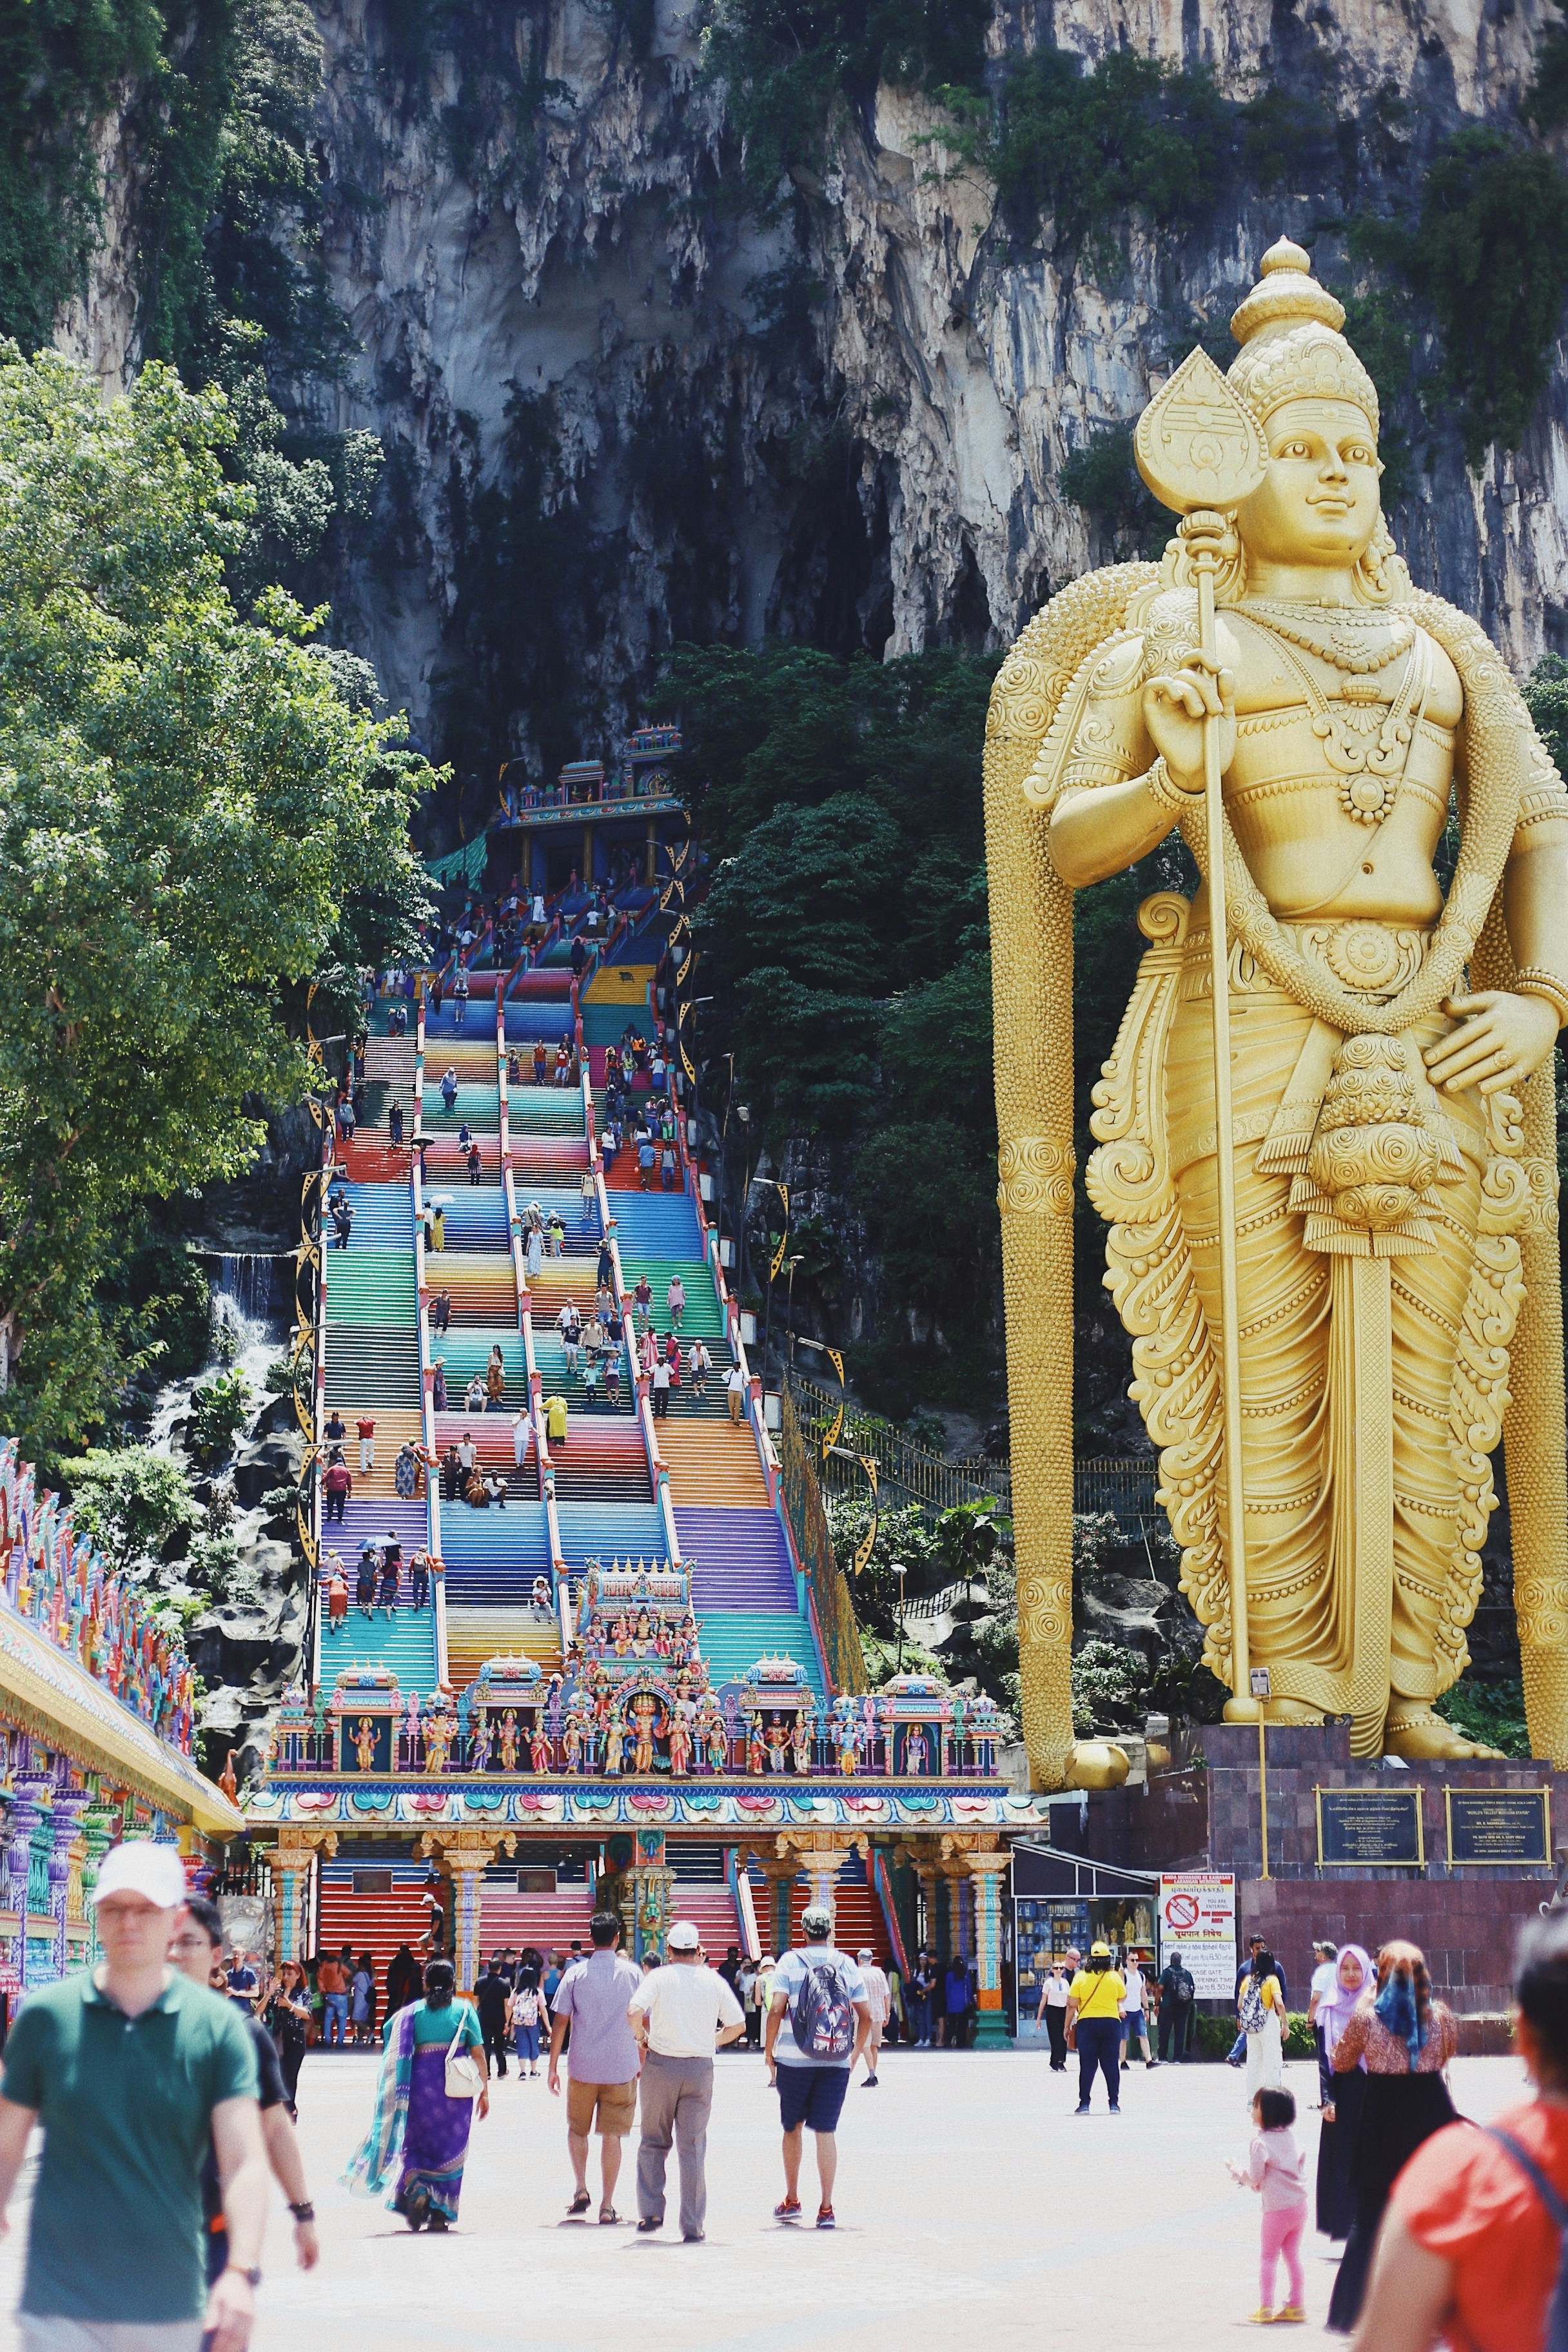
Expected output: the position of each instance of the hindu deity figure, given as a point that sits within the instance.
(680, 1744)
(1383, 1035)
(717, 1740)
(538, 1749)
(508, 1740)
(775, 1743)
(364, 1744)
(438, 1730)
(916, 1750)
(574, 1744)
(800, 1743)
(645, 1727)
(614, 1745)
(755, 1748)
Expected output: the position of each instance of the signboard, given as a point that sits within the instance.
(1499, 1826)
(1197, 1919)
(1364, 1829)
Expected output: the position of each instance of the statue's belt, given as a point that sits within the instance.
(1375, 959)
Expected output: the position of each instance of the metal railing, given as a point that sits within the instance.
(814, 1543)
(1122, 1486)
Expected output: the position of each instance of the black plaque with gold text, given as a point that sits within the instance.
(1364, 1829)
(1499, 1826)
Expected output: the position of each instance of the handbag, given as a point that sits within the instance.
(463, 2078)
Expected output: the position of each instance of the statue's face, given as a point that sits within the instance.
(1318, 502)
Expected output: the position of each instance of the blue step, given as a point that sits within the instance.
(656, 1224)
(383, 1216)
(476, 1218)
(606, 1531)
(492, 1557)
(406, 1644)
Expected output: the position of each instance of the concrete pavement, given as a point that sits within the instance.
(974, 2210)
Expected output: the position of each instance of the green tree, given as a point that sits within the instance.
(194, 823)
(134, 1501)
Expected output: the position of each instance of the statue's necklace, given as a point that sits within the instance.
(1342, 641)
(1370, 773)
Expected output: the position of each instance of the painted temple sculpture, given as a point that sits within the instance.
(1390, 1152)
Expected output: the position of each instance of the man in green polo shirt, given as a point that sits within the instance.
(131, 2070)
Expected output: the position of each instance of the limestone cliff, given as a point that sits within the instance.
(847, 425)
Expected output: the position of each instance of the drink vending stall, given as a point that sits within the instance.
(1063, 1903)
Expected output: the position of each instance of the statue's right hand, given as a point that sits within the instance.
(1175, 709)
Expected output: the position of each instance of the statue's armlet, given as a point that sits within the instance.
(1542, 804)
(1097, 736)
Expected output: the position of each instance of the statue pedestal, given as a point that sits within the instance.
(1464, 1916)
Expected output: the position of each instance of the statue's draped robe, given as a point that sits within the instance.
(1454, 1290)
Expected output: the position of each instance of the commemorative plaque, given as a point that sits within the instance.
(1499, 1826)
(1364, 1829)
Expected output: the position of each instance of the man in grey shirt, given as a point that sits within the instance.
(595, 1996)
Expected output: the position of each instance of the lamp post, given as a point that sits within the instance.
(743, 1113)
(900, 1571)
(789, 1305)
(768, 1312)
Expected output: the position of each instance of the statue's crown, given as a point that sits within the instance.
(1291, 347)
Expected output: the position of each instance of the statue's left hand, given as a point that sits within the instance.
(1499, 1041)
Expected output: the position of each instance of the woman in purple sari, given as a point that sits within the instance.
(417, 2119)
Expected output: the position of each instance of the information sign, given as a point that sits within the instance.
(1499, 1826)
(1361, 1829)
(1197, 1919)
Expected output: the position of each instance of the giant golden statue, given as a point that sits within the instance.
(1390, 1188)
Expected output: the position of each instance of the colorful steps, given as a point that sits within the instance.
(475, 1635)
(549, 1924)
(711, 1463)
(374, 1921)
(604, 1460)
(741, 1559)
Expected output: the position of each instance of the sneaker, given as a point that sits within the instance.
(869, 2083)
(824, 2220)
(787, 2209)
(1115, 2107)
(1082, 2108)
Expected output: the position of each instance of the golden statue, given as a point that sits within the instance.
(1388, 1229)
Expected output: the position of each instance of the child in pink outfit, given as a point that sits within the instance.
(1275, 2167)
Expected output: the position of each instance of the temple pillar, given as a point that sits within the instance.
(290, 1873)
(99, 1827)
(26, 1811)
(69, 1806)
(651, 875)
(466, 1858)
(986, 1873)
(586, 868)
(821, 1864)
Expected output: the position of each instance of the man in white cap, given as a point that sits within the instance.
(879, 2000)
(132, 2069)
(680, 2014)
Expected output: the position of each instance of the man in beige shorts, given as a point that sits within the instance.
(594, 1998)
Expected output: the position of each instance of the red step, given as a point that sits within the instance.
(710, 1908)
(508, 1920)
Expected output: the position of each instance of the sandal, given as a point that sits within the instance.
(608, 2217)
(580, 2203)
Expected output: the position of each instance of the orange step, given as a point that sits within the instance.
(391, 1428)
(707, 1465)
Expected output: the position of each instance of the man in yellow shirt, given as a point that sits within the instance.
(1096, 1999)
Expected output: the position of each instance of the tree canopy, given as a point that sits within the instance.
(195, 823)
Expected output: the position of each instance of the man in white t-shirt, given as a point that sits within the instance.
(880, 1996)
(680, 2014)
(1134, 2024)
(736, 1389)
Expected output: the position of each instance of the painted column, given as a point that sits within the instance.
(99, 1827)
(69, 1806)
(821, 1868)
(988, 1872)
(26, 1811)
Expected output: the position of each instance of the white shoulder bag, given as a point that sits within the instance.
(465, 2079)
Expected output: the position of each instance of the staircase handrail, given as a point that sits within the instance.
(319, 1389)
(427, 1407)
(804, 1515)
(930, 1477)
(739, 1886)
(882, 1888)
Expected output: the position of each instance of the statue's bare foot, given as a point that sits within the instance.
(1096, 1764)
(1420, 1735)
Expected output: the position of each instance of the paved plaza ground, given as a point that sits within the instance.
(976, 2212)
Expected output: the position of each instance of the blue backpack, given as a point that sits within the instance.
(823, 2018)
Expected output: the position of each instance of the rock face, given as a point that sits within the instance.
(940, 377)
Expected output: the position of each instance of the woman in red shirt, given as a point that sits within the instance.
(1468, 2254)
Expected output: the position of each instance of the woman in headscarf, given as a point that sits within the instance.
(1261, 2012)
(1342, 2094)
(416, 2117)
(1405, 2038)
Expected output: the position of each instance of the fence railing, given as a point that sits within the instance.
(1122, 1486)
(808, 1521)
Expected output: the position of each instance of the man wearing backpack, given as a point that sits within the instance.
(1177, 1992)
(818, 2023)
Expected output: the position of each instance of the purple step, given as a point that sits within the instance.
(738, 1557)
(371, 1517)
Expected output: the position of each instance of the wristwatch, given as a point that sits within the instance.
(305, 2212)
(252, 2276)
